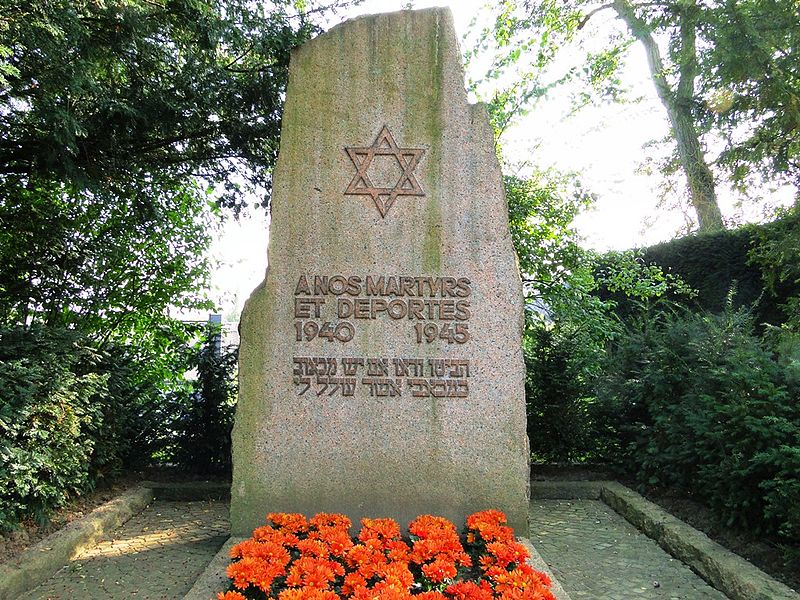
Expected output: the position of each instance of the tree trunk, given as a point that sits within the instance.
(678, 104)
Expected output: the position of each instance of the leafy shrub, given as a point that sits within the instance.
(776, 252)
(566, 341)
(760, 261)
(50, 416)
(556, 395)
(202, 414)
(698, 402)
(72, 415)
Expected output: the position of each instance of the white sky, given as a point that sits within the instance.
(604, 145)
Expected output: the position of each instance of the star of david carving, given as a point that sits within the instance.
(384, 197)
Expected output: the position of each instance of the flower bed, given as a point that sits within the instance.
(296, 558)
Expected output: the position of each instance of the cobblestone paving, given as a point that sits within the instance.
(595, 553)
(158, 554)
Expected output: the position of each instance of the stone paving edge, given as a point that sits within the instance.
(538, 563)
(566, 490)
(189, 491)
(213, 579)
(44, 559)
(729, 573)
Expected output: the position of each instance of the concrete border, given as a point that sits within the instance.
(537, 562)
(44, 559)
(41, 561)
(729, 573)
(566, 490)
(213, 579)
(189, 491)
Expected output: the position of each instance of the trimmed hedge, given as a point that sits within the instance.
(718, 262)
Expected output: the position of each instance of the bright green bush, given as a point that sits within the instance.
(72, 415)
(698, 402)
(201, 415)
(51, 410)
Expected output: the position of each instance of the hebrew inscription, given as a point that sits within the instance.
(407, 159)
(417, 377)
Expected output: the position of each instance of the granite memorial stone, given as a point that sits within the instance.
(381, 369)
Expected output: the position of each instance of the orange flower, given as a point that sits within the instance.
(252, 571)
(397, 573)
(323, 520)
(490, 526)
(352, 582)
(486, 517)
(506, 553)
(382, 591)
(307, 594)
(428, 526)
(375, 567)
(270, 534)
(430, 548)
(514, 579)
(313, 572)
(538, 593)
(314, 548)
(492, 571)
(468, 590)
(336, 539)
(439, 570)
(230, 596)
(397, 550)
(378, 567)
(378, 529)
(430, 596)
(289, 522)
(495, 533)
(241, 549)
(358, 555)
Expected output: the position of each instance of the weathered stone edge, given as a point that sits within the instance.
(41, 561)
(190, 491)
(566, 490)
(729, 573)
(213, 579)
(726, 571)
(537, 562)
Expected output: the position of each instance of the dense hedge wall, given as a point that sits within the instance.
(713, 264)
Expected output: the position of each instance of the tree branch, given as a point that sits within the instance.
(592, 13)
(641, 32)
(687, 55)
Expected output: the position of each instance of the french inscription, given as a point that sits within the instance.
(329, 307)
(382, 377)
